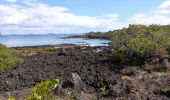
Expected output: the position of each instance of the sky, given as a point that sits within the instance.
(79, 16)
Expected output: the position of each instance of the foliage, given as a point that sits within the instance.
(139, 42)
(8, 58)
(11, 98)
(43, 91)
(106, 89)
(155, 67)
(30, 51)
(34, 51)
(101, 35)
(142, 46)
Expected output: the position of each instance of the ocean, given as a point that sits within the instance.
(48, 39)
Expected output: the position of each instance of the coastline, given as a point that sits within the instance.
(48, 40)
(43, 46)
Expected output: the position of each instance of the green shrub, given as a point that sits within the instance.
(138, 43)
(120, 39)
(141, 46)
(11, 98)
(43, 91)
(8, 58)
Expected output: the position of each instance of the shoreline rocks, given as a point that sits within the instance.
(86, 72)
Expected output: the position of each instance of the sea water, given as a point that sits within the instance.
(48, 39)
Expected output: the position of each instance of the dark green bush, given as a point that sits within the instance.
(8, 58)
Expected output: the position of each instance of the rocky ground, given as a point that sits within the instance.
(86, 73)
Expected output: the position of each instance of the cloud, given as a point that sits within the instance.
(148, 20)
(12, 1)
(32, 16)
(36, 15)
(112, 15)
(163, 8)
(162, 11)
(165, 4)
(141, 15)
(160, 15)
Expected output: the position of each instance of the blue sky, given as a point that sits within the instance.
(79, 16)
(126, 8)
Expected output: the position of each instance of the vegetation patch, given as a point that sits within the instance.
(43, 91)
(28, 52)
(139, 44)
(11, 98)
(8, 58)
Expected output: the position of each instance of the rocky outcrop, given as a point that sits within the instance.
(85, 73)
